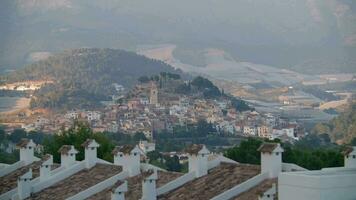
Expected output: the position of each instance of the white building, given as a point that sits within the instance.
(326, 184)
(146, 146)
(93, 115)
(250, 130)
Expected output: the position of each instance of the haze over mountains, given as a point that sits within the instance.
(314, 36)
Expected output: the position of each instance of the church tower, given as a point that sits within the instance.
(154, 94)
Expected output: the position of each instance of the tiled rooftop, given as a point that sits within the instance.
(78, 182)
(219, 179)
(254, 192)
(135, 186)
(9, 181)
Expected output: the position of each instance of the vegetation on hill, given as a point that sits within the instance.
(309, 158)
(340, 129)
(84, 77)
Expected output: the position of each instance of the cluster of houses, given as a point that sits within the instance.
(210, 176)
(25, 86)
(149, 110)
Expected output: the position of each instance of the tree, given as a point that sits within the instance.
(76, 136)
(246, 152)
(173, 164)
(312, 159)
(2, 134)
(17, 135)
(139, 136)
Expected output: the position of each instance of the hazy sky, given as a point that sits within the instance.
(53, 25)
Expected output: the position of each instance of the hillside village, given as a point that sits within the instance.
(165, 102)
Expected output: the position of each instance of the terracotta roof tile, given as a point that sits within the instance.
(256, 191)
(46, 157)
(117, 184)
(135, 186)
(65, 149)
(9, 181)
(147, 173)
(87, 143)
(267, 147)
(218, 180)
(78, 182)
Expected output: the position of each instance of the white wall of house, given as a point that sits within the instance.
(337, 184)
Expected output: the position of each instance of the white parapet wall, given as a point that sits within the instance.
(100, 186)
(176, 183)
(59, 176)
(10, 168)
(327, 184)
(243, 187)
(290, 167)
(9, 194)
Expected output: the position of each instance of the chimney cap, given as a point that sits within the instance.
(126, 149)
(270, 147)
(196, 149)
(119, 186)
(26, 175)
(25, 142)
(47, 160)
(348, 150)
(150, 174)
(90, 143)
(67, 149)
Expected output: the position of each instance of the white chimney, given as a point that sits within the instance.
(128, 156)
(27, 147)
(45, 168)
(270, 194)
(271, 159)
(90, 148)
(24, 185)
(68, 153)
(118, 191)
(149, 185)
(350, 157)
(198, 159)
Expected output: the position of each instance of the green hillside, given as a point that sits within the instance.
(84, 77)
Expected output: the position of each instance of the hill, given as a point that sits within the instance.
(341, 129)
(84, 77)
